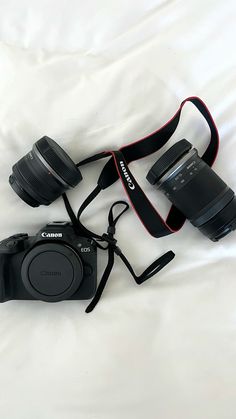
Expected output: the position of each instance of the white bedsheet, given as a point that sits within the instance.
(95, 75)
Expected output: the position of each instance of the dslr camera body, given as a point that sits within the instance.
(54, 265)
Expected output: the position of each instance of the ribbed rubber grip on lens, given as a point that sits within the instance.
(59, 160)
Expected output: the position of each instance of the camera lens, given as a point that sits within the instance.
(196, 190)
(42, 175)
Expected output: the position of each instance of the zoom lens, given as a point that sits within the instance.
(44, 174)
(196, 190)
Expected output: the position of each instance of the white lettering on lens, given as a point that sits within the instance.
(126, 175)
(85, 249)
(53, 235)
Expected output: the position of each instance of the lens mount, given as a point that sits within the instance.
(17, 187)
(222, 223)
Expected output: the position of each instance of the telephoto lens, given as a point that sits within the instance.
(42, 175)
(196, 190)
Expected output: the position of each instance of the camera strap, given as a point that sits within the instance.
(117, 168)
(113, 249)
(111, 246)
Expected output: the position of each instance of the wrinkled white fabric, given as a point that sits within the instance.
(95, 75)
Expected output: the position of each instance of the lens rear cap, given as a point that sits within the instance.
(52, 272)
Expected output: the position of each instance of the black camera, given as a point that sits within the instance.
(196, 190)
(54, 265)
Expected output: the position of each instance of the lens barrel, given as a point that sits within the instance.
(196, 190)
(44, 174)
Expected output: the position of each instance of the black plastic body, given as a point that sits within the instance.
(44, 174)
(15, 250)
(167, 160)
(199, 193)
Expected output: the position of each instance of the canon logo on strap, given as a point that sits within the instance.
(126, 175)
(54, 235)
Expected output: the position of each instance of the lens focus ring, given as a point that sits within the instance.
(59, 161)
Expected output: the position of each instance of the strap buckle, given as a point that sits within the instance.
(110, 240)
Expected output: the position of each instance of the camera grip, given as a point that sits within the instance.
(3, 297)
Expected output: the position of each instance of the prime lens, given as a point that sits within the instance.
(196, 190)
(44, 174)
